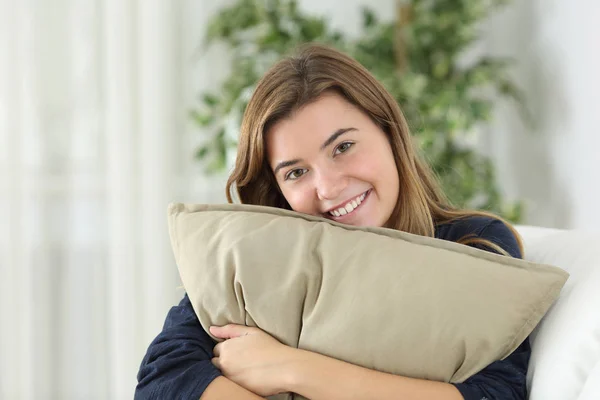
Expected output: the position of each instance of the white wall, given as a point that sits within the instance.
(554, 166)
(556, 43)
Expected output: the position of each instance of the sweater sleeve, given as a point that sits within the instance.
(177, 364)
(504, 379)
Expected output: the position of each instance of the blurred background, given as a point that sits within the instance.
(111, 109)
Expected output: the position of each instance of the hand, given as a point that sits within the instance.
(252, 358)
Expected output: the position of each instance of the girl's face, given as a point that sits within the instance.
(331, 160)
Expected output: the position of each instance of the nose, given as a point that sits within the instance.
(330, 183)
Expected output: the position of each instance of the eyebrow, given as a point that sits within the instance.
(329, 140)
(334, 136)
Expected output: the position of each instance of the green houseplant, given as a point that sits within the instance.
(416, 56)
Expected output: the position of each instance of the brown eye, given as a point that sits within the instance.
(343, 147)
(295, 174)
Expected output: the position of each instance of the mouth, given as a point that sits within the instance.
(349, 207)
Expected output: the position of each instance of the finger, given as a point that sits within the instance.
(217, 350)
(230, 331)
(216, 362)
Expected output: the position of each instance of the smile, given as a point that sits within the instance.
(350, 206)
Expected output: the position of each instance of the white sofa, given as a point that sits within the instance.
(565, 360)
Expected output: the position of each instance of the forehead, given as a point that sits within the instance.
(313, 123)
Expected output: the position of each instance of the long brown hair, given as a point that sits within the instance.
(301, 79)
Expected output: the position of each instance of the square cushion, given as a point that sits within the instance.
(380, 298)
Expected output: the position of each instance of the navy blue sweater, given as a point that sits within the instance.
(178, 364)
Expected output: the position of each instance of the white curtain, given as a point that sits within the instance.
(90, 122)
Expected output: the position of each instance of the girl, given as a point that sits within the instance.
(321, 136)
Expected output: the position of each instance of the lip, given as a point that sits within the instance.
(328, 215)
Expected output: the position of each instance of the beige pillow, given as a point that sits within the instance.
(380, 298)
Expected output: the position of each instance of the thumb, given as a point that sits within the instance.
(230, 331)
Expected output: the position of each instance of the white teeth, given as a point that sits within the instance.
(348, 208)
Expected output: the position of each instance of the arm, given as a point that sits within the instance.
(318, 377)
(178, 364)
(224, 389)
(256, 361)
(253, 359)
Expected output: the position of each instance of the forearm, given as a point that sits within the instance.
(318, 377)
(223, 389)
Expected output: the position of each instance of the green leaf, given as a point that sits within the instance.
(210, 99)
(368, 18)
(202, 119)
(202, 152)
(509, 89)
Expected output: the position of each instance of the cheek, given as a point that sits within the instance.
(379, 171)
(300, 197)
(368, 167)
(390, 172)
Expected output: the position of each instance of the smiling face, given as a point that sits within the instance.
(331, 160)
